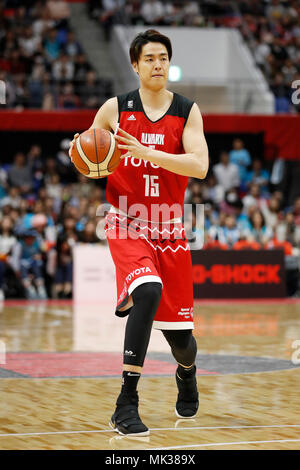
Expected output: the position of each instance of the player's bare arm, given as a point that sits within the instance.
(106, 118)
(193, 163)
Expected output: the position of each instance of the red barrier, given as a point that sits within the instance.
(281, 132)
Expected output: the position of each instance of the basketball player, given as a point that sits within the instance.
(161, 137)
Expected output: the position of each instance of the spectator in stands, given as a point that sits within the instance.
(91, 91)
(230, 202)
(52, 45)
(54, 187)
(279, 88)
(275, 10)
(228, 234)
(36, 163)
(64, 271)
(17, 64)
(194, 232)
(111, 13)
(296, 211)
(211, 215)
(29, 43)
(259, 176)
(191, 14)
(13, 199)
(19, 174)
(35, 84)
(21, 92)
(241, 157)
(47, 233)
(72, 48)
(278, 50)
(259, 231)
(226, 173)
(152, 12)
(50, 93)
(59, 11)
(81, 67)
(242, 219)
(88, 235)
(65, 168)
(270, 67)
(7, 242)
(63, 68)
(212, 191)
(8, 41)
(272, 212)
(287, 230)
(261, 52)
(83, 188)
(43, 23)
(253, 198)
(289, 71)
(68, 98)
(31, 265)
(133, 11)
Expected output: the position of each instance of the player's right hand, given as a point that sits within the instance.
(72, 144)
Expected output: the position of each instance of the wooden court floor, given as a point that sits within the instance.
(60, 368)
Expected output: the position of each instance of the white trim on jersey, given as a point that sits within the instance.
(115, 210)
(142, 280)
(173, 325)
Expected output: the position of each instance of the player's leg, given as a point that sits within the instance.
(175, 318)
(146, 298)
(184, 349)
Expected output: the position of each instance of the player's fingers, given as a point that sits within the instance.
(71, 144)
(122, 146)
(124, 132)
(120, 138)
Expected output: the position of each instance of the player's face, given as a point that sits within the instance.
(153, 65)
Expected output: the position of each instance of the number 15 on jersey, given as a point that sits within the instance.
(151, 185)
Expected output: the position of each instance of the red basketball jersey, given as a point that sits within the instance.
(143, 182)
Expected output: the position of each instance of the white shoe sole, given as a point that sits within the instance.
(184, 417)
(145, 433)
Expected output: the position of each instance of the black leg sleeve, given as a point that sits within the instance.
(146, 298)
(183, 345)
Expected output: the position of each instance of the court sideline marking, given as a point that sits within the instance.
(192, 428)
(224, 444)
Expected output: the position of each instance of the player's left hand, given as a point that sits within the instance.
(131, 144)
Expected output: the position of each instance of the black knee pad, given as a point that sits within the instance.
(183, 345)
(148, 293)
(146, 298)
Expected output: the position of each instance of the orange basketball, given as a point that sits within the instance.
(95, 153)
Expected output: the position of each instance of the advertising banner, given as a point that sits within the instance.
(238, 274)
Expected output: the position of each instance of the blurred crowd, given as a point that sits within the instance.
(270, 27)
(44, 65)
(46, 207)
(41, 61)
(243, 208)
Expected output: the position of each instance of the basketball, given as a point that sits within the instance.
(95, 153)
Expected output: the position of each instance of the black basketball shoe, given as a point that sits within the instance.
(187, 400)
(126, 420)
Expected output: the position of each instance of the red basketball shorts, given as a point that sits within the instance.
(146, 252)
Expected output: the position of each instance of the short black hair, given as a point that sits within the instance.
(151, 35)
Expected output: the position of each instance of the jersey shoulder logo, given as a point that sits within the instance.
(130, 104)
(131, 118)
